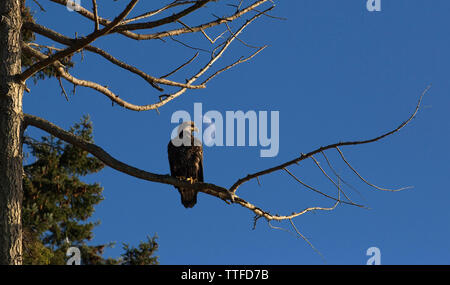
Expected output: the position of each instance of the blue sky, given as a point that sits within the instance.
(335, 72)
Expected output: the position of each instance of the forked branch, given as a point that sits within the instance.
(324, 148)
(228, 195)
(76, 45)
(79, 44)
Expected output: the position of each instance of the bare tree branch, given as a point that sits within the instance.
(364, 180)
(94, 8)
(306, 240)
(80, 44)
(68, 41)
(198, 28)
(166, 20)
(167, 98)
(180, 67)
(107, 159)
(155, 12)
(75, 45)
(78, 82)
(228, 195)
(127, 28)
(319, 192)
(62, 88)
(211, 40)
(82, 11)
(170, 97)
(339, 176)
(323, 148)
(239, 61)
(197, 5)
(329, 178)
(39, 5)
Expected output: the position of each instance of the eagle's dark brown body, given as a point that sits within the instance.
(186, 162)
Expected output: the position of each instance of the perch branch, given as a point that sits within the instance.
(228, 195)
(107, 159)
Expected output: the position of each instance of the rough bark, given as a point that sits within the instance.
(10, 133)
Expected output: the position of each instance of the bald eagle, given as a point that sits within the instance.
(186, 161)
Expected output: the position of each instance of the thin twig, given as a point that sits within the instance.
(62, 88)
(329, 178)
(239, 61)
(209, 39)
(40, 6)
(189, 46)
(180, 67)
(319, 192)
(44, 46)
(305, 239)
(339, 177)
(94, 8)
(364, 180)
(155, 12)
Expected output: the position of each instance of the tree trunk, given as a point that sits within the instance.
(10, 134)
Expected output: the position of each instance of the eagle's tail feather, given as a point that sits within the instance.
(188, 197)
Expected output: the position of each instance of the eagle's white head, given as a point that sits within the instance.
(187, 128)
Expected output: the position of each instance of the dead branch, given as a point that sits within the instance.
(320, 192)
(228, 195)
(364, 180)
(239, 61)
(74, 45)
(180, 67)
(79, 44)
(68, 41)
(94, 8)
(168, 97)
(39, 5)
(157, 11)
(184, 30)
(107, 159)
(324, 148)
(339, 176)
(63, 91)
(197, 5)
(329, 178)
(127, 28)
(211, 40)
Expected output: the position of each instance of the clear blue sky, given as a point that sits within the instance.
(335, 72)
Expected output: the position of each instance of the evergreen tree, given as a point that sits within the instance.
(57, 204)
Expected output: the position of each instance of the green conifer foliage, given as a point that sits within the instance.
(57, 205)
